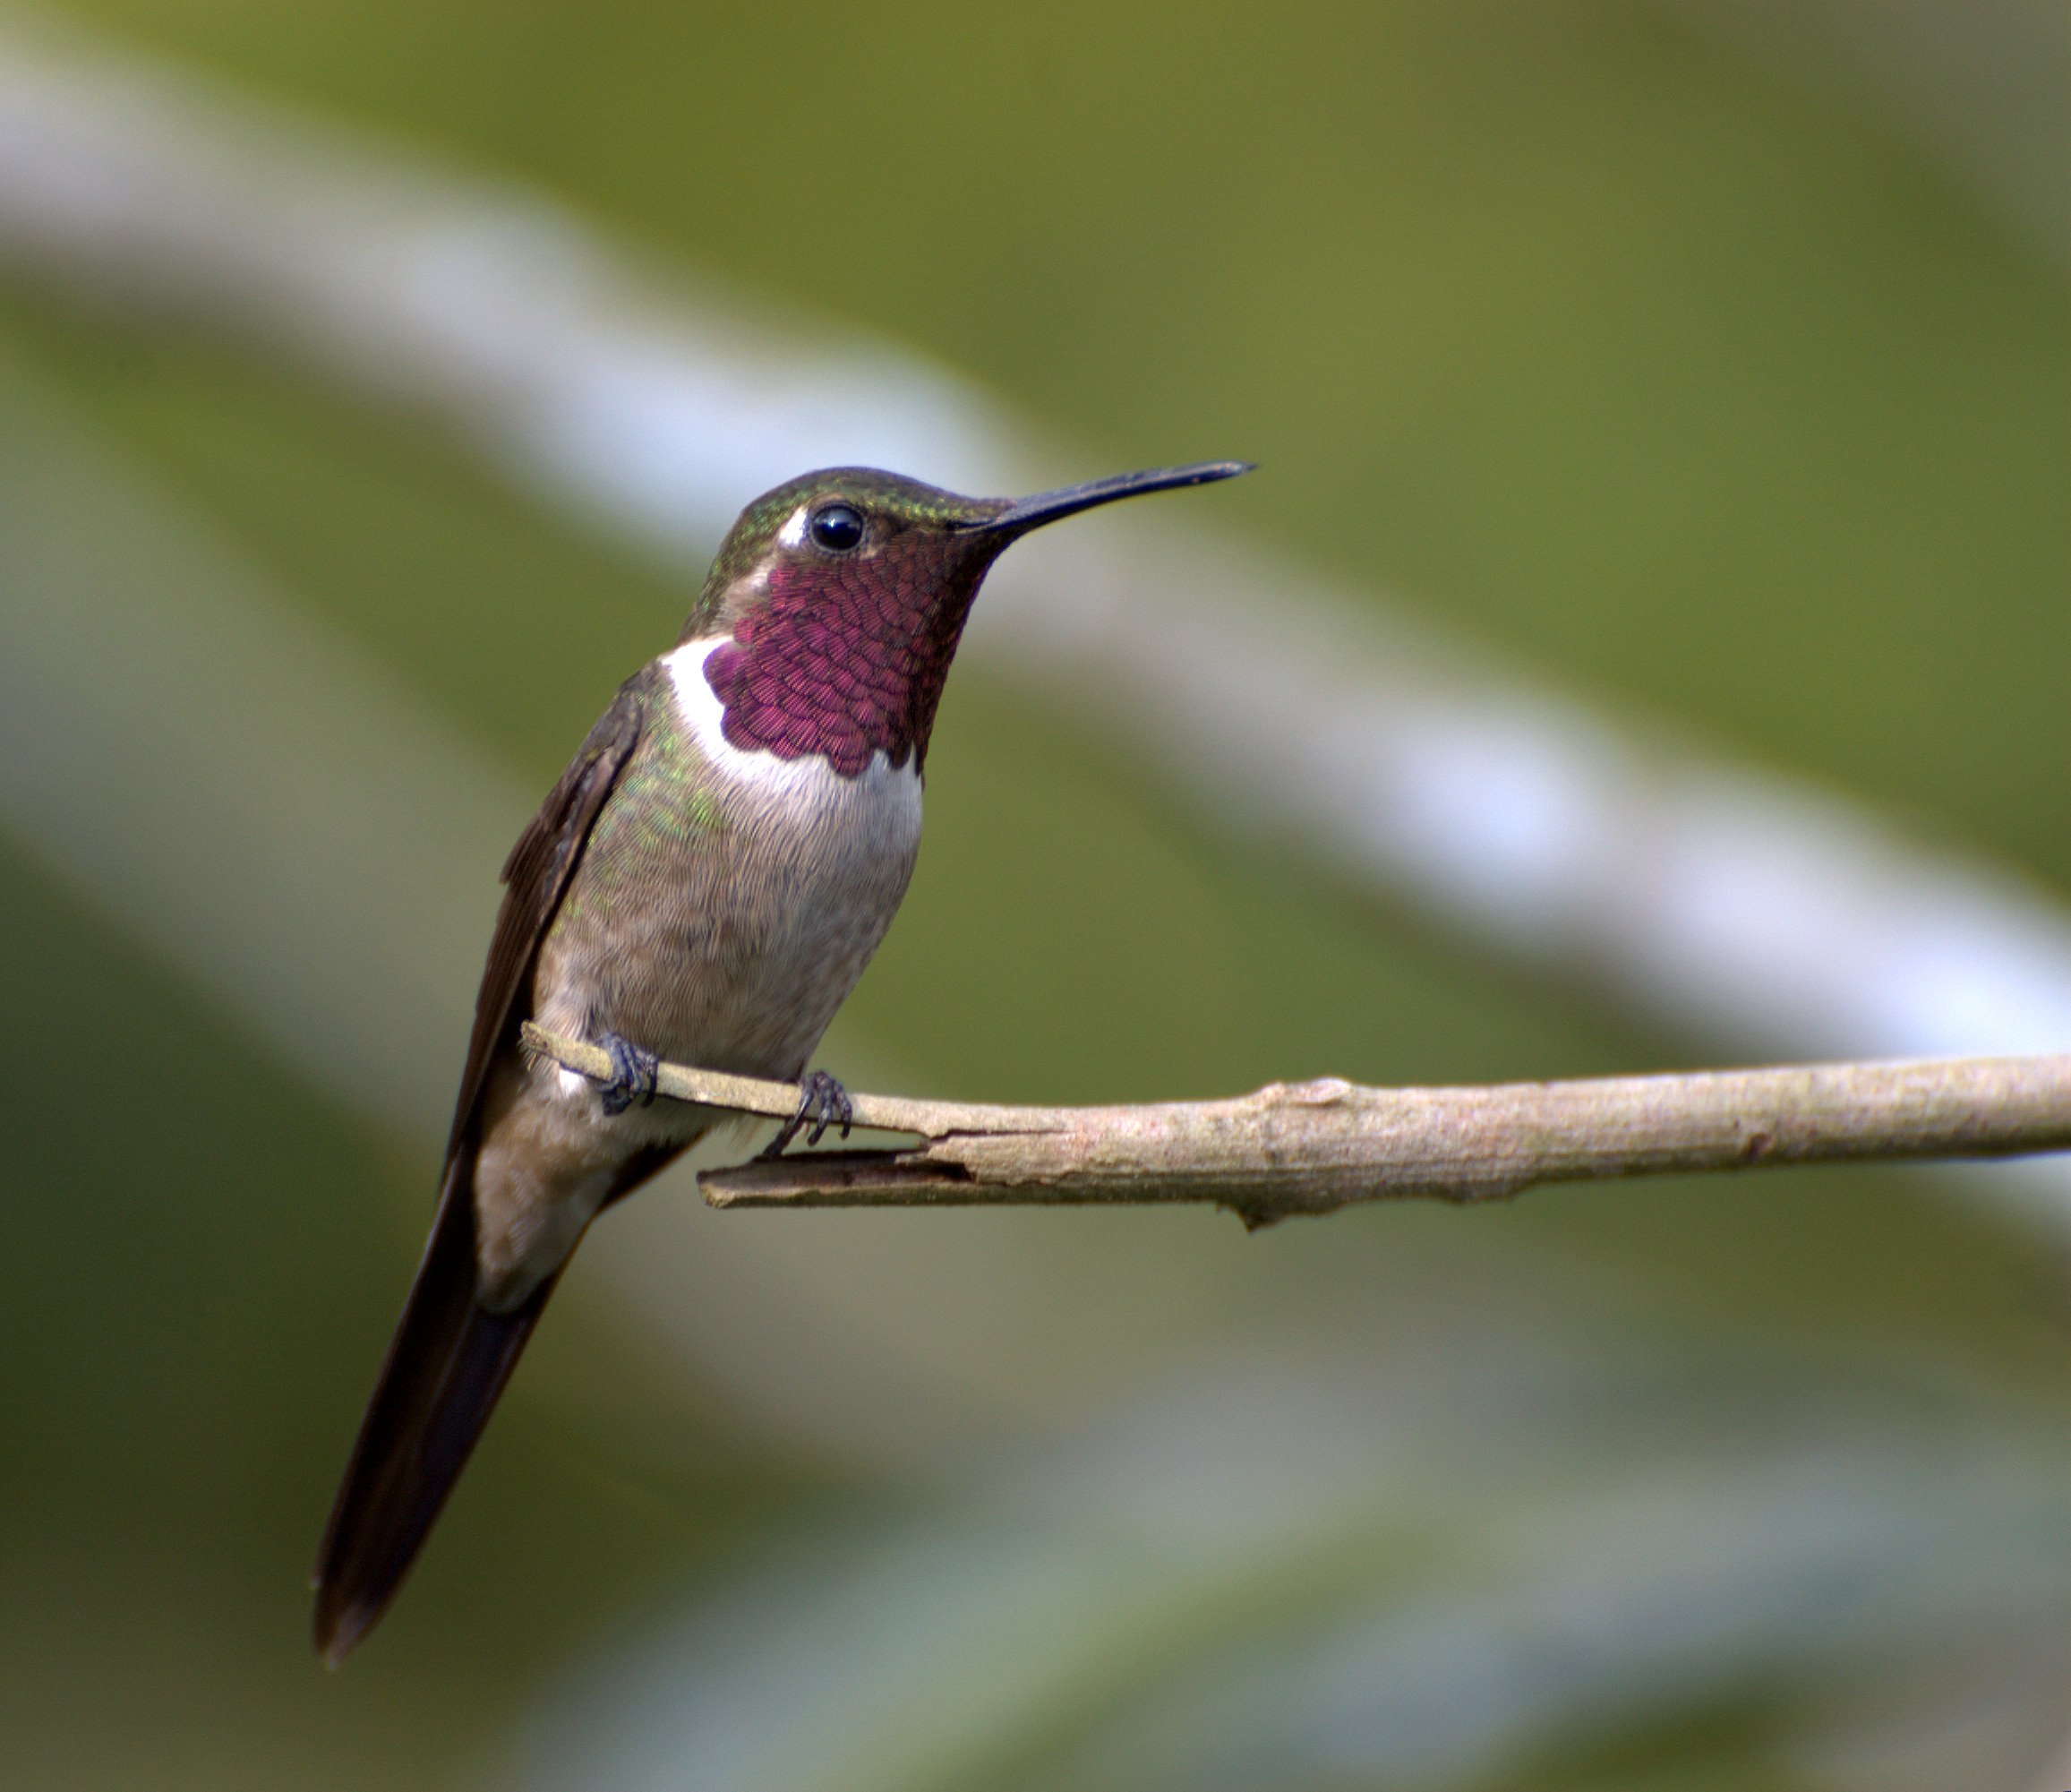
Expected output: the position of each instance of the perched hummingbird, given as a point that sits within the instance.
(704, 883)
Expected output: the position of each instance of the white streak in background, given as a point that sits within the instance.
(1773, 915)
(1740, 907)
(480, 300)
(235, 784)
(962, 1648)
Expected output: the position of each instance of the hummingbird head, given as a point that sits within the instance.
(837, 600)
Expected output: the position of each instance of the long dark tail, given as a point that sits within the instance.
(445, 1367)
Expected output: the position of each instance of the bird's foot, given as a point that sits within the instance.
(633, 1069)
(823, 1102)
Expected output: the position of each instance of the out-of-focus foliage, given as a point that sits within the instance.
(1715, 396)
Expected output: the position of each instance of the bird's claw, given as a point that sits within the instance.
(633, 1075)
(823, 1102)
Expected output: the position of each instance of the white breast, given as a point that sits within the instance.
(833, 858)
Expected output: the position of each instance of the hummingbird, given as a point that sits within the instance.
(704, 883)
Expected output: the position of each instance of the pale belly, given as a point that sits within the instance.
(725, 936)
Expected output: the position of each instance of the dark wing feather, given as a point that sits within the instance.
(534, 878)
(449, 1358)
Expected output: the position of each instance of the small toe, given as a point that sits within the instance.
(822, 1102)
(634, 1074)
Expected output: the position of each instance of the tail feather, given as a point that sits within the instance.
(446, 1366)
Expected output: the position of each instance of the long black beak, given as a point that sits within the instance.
(1047, 507)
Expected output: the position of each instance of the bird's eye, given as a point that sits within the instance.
(837, 528)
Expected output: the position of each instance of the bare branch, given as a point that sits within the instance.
(1312, 1147)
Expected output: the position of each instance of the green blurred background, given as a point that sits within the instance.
(1695, 380)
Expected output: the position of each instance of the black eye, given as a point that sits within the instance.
(836, 528)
